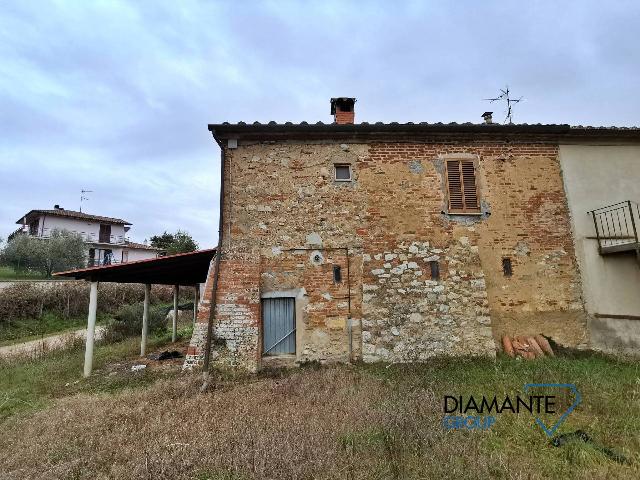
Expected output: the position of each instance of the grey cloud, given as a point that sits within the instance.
(116, 96)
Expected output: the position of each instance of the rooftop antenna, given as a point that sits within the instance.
(504, 95)
(83, 197)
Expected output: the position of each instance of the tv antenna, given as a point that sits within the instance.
(83, 197)
(504, 95)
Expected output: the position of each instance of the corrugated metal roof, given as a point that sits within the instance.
(181, 269)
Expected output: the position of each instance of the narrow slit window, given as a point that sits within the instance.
(462, 187)
(507, 268)
(435, 270)
(342, 173)
(337, 274)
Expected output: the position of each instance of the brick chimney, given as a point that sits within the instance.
(342, 110)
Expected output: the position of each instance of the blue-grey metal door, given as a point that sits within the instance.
(279, 326)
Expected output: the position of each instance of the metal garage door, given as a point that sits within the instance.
(279, 326)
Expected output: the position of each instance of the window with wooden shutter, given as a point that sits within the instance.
(462, 186)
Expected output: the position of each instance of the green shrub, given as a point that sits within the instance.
(127, 321)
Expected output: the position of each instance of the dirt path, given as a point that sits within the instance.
(46, 344)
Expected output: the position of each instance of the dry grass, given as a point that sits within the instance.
(351, 422)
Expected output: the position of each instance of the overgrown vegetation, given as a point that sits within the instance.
(355, 422)
(63, 250)
(37, 308)
(127, 321)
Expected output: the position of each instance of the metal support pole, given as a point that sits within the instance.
(196, 299)
(91, 329)
(145, 320)
(174, 331)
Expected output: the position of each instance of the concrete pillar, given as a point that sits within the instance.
(174, 331)
(196, 299)
(91, 329)
(145, 320)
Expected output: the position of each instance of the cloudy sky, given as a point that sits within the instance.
(115, 97)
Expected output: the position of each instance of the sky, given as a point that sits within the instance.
(115, 96)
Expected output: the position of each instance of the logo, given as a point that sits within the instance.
(563, 417)
(473, 413)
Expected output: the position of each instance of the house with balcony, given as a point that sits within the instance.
(106, 237)
(602, 194)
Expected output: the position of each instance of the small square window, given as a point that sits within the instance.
(343, 173)
(337, 274)
(507, 268)
(435, 270)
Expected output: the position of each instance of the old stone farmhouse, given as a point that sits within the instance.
(399, 242)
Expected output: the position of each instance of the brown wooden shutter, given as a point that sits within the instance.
(461, 181)
(469, 186)
(454, 179)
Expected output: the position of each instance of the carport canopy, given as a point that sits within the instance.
(181, 269)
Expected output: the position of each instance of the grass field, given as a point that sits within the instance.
(7, 273)
(26, 329)
(353, 422)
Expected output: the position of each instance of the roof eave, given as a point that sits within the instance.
(365, 131)
(113, 221)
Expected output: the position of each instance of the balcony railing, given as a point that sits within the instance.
(617, 227)
(99, 262)
(89, 237)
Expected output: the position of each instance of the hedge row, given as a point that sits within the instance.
(31, 299)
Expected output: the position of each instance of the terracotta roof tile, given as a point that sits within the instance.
(73, 214)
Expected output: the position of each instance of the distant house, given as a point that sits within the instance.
(105, 237)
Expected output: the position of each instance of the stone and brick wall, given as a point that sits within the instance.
(282, 203)
(236, 329)
(410, 316)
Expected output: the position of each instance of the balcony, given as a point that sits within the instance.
(99, 262)
(90, 237)
(617, 228)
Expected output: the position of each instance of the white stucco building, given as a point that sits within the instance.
(106, 237)
(602, 188)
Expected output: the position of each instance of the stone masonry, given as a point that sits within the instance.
(386, 227)
(411, 316)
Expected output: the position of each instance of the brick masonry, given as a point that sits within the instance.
(282, 204)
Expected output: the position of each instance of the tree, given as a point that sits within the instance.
(179, 242)
(63, 250)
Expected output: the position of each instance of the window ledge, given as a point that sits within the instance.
(467, 214)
